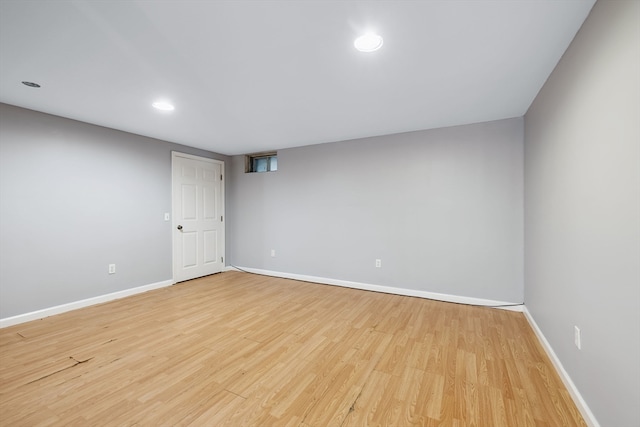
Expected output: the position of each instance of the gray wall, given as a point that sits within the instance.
(582, 207)
(74, 198)
(442, 209)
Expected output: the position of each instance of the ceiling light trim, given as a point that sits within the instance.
(163, 106)
(369, 42)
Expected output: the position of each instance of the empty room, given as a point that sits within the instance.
(320, 213)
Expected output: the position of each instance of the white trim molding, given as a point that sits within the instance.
(46, 312)
(385, 289)
(588, 416)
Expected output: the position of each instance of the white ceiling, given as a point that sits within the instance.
(248, 76)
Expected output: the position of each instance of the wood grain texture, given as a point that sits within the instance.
(236, 349)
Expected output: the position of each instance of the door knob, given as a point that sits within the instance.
(179, 227)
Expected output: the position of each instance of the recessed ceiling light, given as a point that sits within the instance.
(368, 43)
(31, 84)
(163, 106)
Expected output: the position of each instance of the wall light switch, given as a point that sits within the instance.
(273, 253)
(577, 339)
(167, 217)
(112, 269)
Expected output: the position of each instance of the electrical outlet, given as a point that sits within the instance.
(576, 337)
(112, 269)
(378, 263)
(273, 253)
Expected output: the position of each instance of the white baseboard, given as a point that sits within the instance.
(39, 314)
(384, 289)
(588, 416)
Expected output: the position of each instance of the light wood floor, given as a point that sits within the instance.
(238, 349)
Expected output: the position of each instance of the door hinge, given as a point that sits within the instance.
(221, 218)
(222, 259)
(220, 177)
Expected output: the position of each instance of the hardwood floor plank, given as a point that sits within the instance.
(236, 349)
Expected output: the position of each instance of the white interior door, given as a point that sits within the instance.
(198, 216)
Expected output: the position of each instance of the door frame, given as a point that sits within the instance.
(174, 224)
